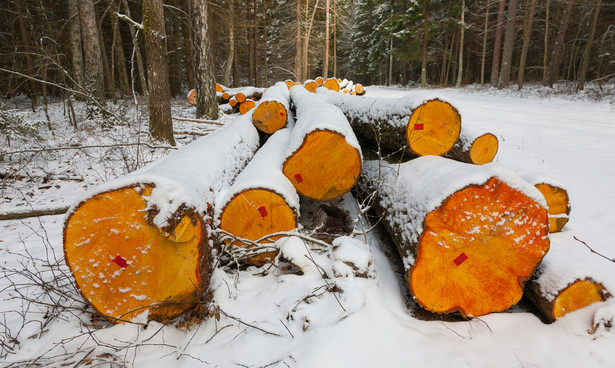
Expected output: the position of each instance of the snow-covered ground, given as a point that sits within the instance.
(282, 319)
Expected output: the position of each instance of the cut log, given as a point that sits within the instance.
(192, 97)
(233, 102)
(332, 84)
(240, 97)
(474, 146)
(563, 283)
(140, 243)
(226, 95)
(220, 88)
(310, 85)
(324, 158)
(271, 114)
(246, 106)
(359, 89)
(262, 200)
(469, 236)
(556, 196)
(422, 124)
(319, 81)
(289, 83)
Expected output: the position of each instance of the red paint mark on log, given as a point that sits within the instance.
(120, 262)
(459, 260)
(418, 126)
(263, 211)
(299, 178)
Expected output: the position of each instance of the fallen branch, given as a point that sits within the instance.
(51, 149)
(20, 213)
(197, 120)
(593, 251)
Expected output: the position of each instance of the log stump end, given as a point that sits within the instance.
(484, 149)
(433, 128)
(269, 117)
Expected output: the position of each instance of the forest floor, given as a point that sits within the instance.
(272, 318)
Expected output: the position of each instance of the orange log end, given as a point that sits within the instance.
(269, 117)
(332, 84)
(477, 250)
(255, 213)
(311, 86)
(289, 83)
(559, 205)
(359, 89)
(433, 128)
(226, 95)
(484, 149)
(192, 97)
(241, 97)
(233, 102)
(246, 106)
(219, 88)
(324, 167)
(123, 265)
(319, 81)
(576, 296)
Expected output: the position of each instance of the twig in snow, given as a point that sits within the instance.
(51, 149)
(197, 120)
(593, 251)
(286, 327)
(249, 325)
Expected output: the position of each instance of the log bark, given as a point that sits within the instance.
(474, 146)
(470, 236)
(556, 196)
(141, 243)
(262, 201)
(271, 114)
(324, 157)
(421, 124)
(563, 284)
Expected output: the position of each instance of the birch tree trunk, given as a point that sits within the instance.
(75, 44)
(558, 48)
(509, 40)
(206, 102)
(590, 41)
(160, 124)
(527, 31)
(495, 66)
(94, 71)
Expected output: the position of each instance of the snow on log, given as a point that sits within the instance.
(310, 85)
(474, 146)
(246, 106)
(425, 124)
(289, 83)
(469, 235)
(324, 157)
(192, 97)
(262, 200)
(556, 196)
(332, 84)
(271, 113)
(141, 243)
(563, 283)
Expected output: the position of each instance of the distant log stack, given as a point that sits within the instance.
(141, 243)
(474, 146)
(556, 196)
(262, 200)
(324, 159)
(359, 89)
(192, 97)
(563, 284)
(319, 81)
(310, 85)
(422, 124)
(469, 236)
(332, 84)
(271, 114)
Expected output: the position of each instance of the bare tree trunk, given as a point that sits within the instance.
(94, 71)
(463, 26)
(325, 57)
(230, 56)
(118, 49)
(590, 41)
(34, 97)
(335, 38)
(255, 32)
(306, 42)
(298, 58)
(425, 40)
(160, 124)
(527, 31)
(250, 36)
(206, 102)
(136, 51)
(390, 76)
(546, 52)
(75, 44)
(109, 82)
(497, 47)
(173, 52)
(509, 40)
(558, 48)
(484, 55)
(188, 47)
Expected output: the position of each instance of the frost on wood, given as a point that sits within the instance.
(425, 124)
(563, 283)
(273, 109)
(262, 200)
(323, 160)
(469, 236)
(140, 243)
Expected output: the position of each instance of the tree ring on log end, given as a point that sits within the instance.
(324, 167)
(246, 106)
(255, 213)
(269, 117)
(124, 265)
(484, 149)
(311, 86)
(433, 128)
(477, 250)
(579, 294)
(559, 205)
(192, 97)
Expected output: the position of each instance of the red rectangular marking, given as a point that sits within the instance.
(120, 262)
(418, 126)
(263, 211)
(299, 178)
(459, 260)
